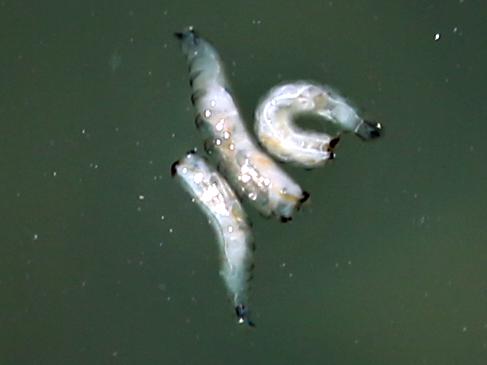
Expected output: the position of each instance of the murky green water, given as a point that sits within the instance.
(104, 259)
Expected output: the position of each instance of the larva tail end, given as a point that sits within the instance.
(243, 315)
(369, 130)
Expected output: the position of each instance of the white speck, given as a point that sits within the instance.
(464, 329)
(219, 126)
(245, 178)
(54, 173)
(141, 197)
(162, 217)
(455, 29)
(226, 135)
(437, 36)
(173, 135)
(218, 141)
(35, 237)
(212, 103)
(207, 113)
(230, 229)
(83, 131)
(171, 230)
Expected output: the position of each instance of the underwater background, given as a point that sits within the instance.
(104, 259)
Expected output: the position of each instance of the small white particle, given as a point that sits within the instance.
(35, 237)
(207, 113)
(141, 197)
(162, 217)
(54, 173)
(437, 36)
(219, 126)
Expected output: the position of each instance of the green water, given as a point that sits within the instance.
(105, 260)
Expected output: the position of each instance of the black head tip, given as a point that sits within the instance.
(333, 143)
(376, 129)
(370, 130)
(186, 33)
(243, 315)
(174, 169)
(285, 219)
(305, 197)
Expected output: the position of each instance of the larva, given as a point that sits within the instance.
(225, 213)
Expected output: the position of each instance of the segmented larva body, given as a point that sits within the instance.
(276, 130)
(250, 171)
(225, 213)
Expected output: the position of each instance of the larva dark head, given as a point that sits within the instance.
(285, 219)
(174, 168)
(305, 197)
(243, 315)
(369, 130)
(189, 35)
(333, 143)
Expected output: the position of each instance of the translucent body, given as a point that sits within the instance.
(223, 209)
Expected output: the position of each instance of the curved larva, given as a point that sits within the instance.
(252, 173)
(223, 209)
(276, 130)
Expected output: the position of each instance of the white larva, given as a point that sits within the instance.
(276, 130)
(223, 209)
(251, 173)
